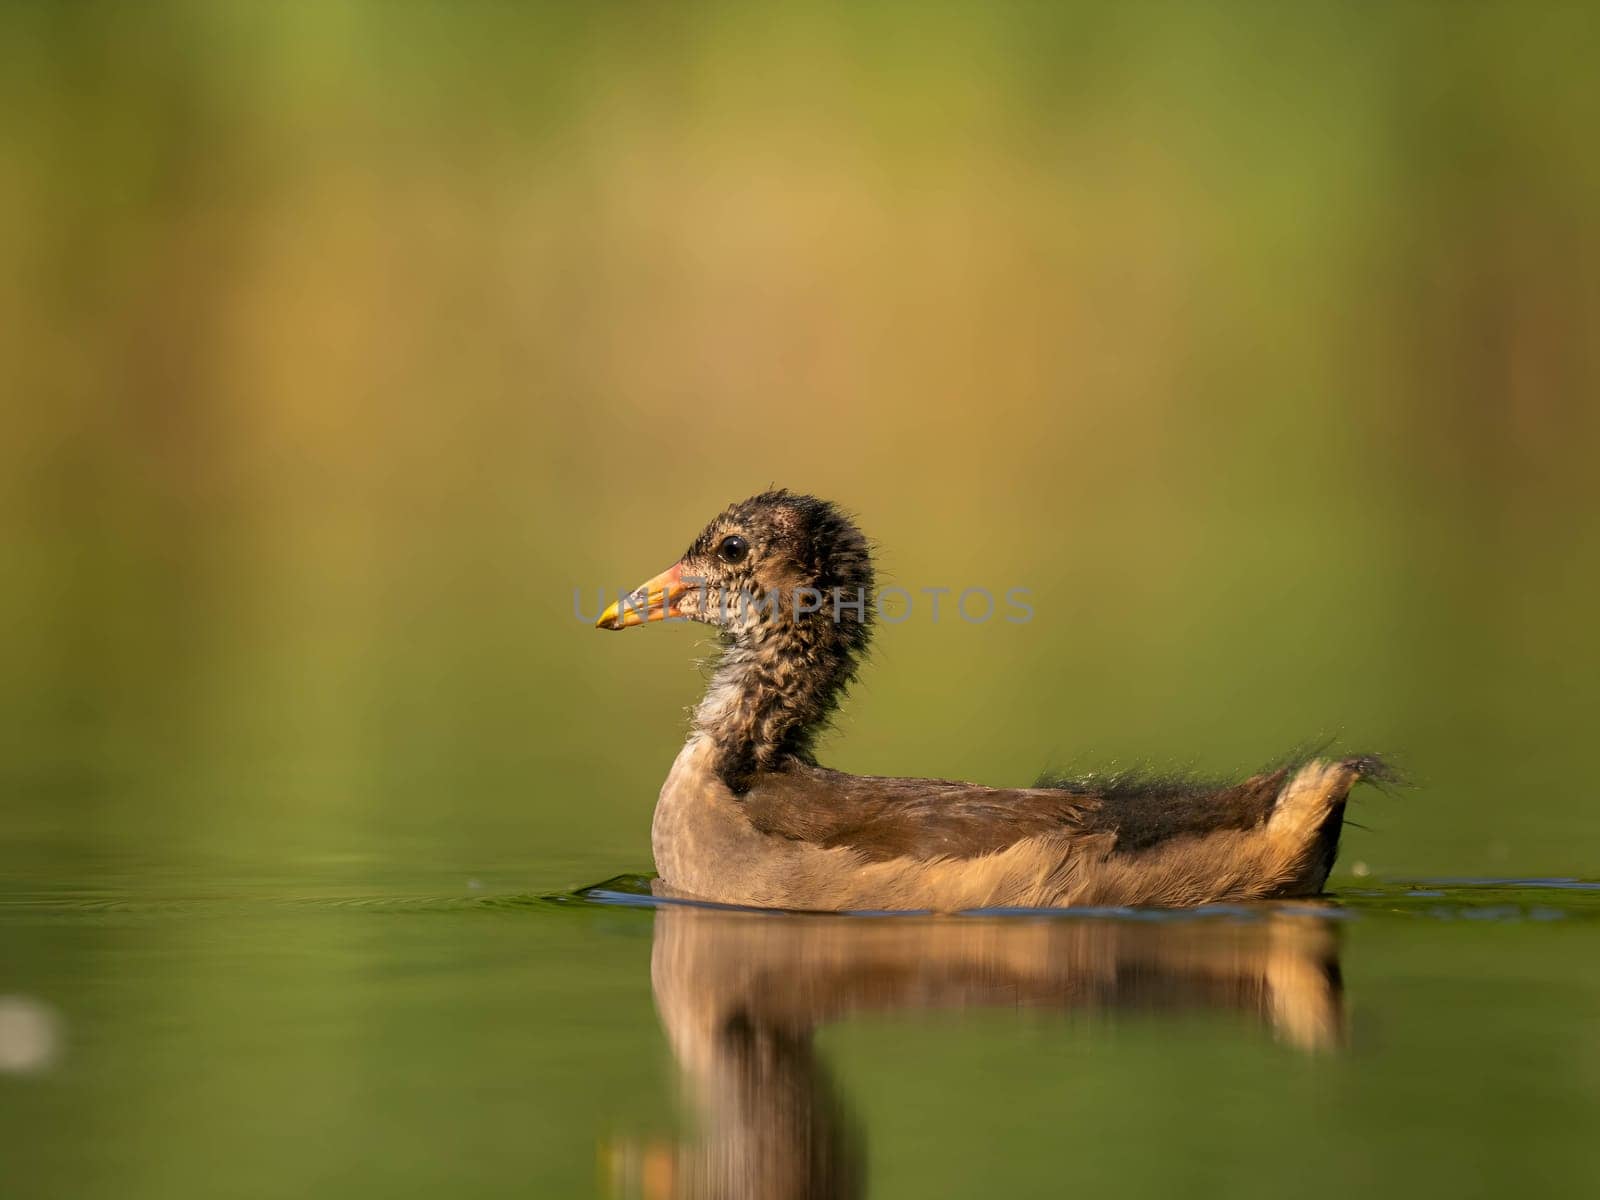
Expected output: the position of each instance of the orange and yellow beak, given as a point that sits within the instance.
(655, 600)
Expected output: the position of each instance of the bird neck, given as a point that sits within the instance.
(771, 694)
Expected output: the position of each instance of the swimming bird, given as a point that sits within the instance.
(748, 816)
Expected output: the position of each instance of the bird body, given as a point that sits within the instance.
(810, 838)
(747, 816)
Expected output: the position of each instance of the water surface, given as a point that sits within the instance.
(1436, 1036)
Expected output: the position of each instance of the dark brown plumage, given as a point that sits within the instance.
(932, 818)
(748, 816)
(885, 818)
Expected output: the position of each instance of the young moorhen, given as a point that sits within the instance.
(747, 816)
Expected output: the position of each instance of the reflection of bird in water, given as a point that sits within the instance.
(746, 815)
(741, 995)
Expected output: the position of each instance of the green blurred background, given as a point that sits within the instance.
(341, 342)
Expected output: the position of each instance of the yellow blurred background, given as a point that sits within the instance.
(341, 342)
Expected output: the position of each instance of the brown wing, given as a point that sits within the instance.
(883, 818)
(1144, 814)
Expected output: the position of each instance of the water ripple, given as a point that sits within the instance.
(1482, 900)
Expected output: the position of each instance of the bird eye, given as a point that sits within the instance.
(733, 549)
